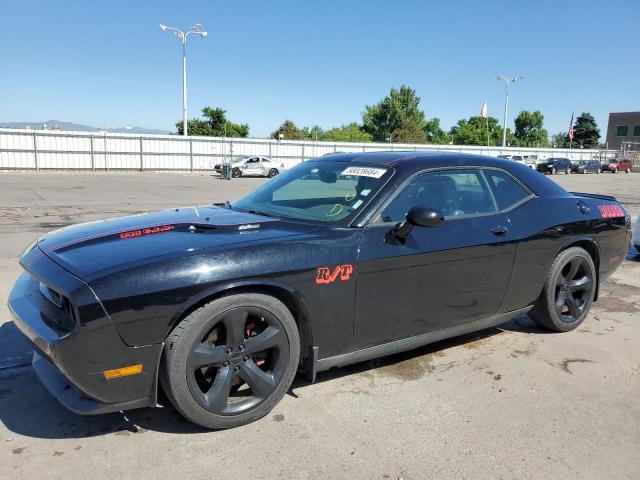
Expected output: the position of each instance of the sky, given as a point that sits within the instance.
(107, 64)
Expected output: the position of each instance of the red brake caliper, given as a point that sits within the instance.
(249, 333)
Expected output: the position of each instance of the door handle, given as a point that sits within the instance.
(500, 231)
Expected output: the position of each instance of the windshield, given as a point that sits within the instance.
(327, 192)
(504, 156)
(239, 159)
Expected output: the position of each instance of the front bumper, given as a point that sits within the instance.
(70, 363)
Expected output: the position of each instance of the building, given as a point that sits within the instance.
(623, 127)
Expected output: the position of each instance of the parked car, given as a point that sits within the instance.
(585, 166)
(251, 166)
(515, 158)
(615, 166)
(555, 165)
(338, 260)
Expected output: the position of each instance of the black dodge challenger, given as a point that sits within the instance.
(341, 259)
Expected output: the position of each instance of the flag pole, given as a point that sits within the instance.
(487, 122)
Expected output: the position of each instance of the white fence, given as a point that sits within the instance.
(57, 150)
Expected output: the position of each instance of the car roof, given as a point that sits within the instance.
(406, 163)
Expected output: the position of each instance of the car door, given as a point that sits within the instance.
(440, 276)
(252, 166)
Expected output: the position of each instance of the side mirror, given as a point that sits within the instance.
(418, 216)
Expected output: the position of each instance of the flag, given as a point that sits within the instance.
(570, 135)
(484, 111)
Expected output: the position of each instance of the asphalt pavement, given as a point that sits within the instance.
(507, 402)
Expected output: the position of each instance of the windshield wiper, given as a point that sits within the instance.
(258, 212)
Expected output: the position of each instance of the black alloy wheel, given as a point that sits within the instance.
(273, 172)
(574, 287)
(231, 361)
(238, 362)
(568, 291)
(236, 172)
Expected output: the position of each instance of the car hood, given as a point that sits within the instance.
(89, 250)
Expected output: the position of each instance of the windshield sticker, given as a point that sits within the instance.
(249, 226)
(364, 172)
(366, 192)
(357, 204)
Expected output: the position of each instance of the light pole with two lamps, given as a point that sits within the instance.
(507, 82)
(182, 35)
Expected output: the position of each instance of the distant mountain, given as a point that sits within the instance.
(69, 126)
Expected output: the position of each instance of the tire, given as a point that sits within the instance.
(236, 173)
(553, 310)
(273, 172)
(567, 171)
(226, 337)
(628, 170)
(553, 170)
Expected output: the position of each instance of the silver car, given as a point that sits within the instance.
(252, 166)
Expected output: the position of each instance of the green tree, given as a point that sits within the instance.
(409, 132)
(289, 131)
(385, 117)
(474, 131)
(560, 140)
(214, 124)
(344, 133)
(586, 133)
(529, 130)
(434, 132)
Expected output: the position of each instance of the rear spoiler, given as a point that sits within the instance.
(595, 195)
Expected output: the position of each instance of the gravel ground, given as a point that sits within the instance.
(507, 402)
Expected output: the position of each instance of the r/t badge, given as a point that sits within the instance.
(326, 275)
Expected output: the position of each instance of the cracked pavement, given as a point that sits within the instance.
(507, 402)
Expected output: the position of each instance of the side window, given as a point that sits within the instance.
(453, 192)
(506, 190)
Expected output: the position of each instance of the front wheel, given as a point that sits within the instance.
(628, 170)
(236, 172)
(567, 171)
(231, 361)
(553, 171)
(568, 291)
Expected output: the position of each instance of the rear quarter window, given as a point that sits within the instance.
(506, 190)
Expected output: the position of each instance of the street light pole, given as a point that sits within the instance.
(507, 82)
(183, 35)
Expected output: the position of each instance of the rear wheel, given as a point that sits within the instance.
(231, 361)
(553, 170)
(628, 170)
(567, 171)
(568, 291)
(273, 172)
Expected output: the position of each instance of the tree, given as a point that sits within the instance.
(385, 117)
(215, 124)
(560, 140)
(474, 131)
(289, 131)
(434, 132)
(409, 132)
(529, 131)
(344, 133)
(586, 133)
